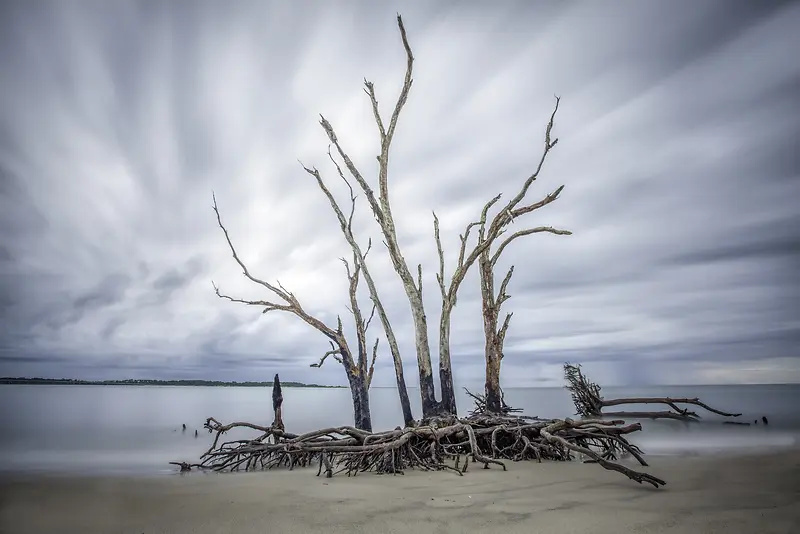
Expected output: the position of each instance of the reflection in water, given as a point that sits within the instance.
(138, 429)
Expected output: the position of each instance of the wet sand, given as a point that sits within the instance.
(731, 495)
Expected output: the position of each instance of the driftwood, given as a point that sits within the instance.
(277, 403)
(589, 403)
(481, 407)
(437, 444)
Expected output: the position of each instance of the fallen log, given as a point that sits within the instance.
(589, 403)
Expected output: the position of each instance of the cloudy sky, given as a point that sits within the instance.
(678, 148)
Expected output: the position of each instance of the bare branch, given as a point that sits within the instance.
(373, 202)
(333, 352)
(381, 210)
(369, 320)
(401, 101)
(465, 236)
(419, 279)
(547, 147)
(504, 217)
(366, 252)
(501, 334)
(292, 304)
(483, 244)
(278, 291)
(346, 267)
(369, 88)
(440, 274)
(360, 256)
(349, 188)
(536, 205)
(522, 233)
(502, 296)
(372, 363)
(268, 306)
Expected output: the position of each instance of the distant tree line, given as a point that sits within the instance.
(141, 382)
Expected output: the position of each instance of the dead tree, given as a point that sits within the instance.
(488, 234)
(277, 403)
(382, 211)
(589, 403)
(359, 258)
(359, 372)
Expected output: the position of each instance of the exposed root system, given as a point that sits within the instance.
(433, 445)
(589, 402)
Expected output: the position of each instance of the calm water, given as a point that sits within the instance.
(137, 429)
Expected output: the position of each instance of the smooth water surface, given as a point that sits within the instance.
(137, 429)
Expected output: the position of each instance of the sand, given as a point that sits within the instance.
(731, 495)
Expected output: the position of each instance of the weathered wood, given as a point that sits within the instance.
(277, 403)
(589, 403)
(436, 444)
(489, 231)
(346, 225)
(340, 348)
(382, 210)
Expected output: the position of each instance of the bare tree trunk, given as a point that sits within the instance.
(382, 211)
(493, 347)
(277, 403)
(359, 390)
(488, 234)
(448, 404)
(359, 259)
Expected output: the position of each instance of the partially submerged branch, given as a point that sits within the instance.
(589, 403)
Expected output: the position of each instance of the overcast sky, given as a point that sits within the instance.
(678, 133)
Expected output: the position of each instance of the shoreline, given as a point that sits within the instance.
(167, 470)
(741, 493)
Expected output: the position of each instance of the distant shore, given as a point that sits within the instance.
(137, 382)
(731, 494)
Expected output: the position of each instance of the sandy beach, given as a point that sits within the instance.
(741, 494)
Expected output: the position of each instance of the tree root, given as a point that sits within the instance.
(589, 403)
(433, 445)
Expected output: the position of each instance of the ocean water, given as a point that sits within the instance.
(137, 429)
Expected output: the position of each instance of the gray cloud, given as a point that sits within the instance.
(678, 138)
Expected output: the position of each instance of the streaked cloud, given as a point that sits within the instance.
(678, 149)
